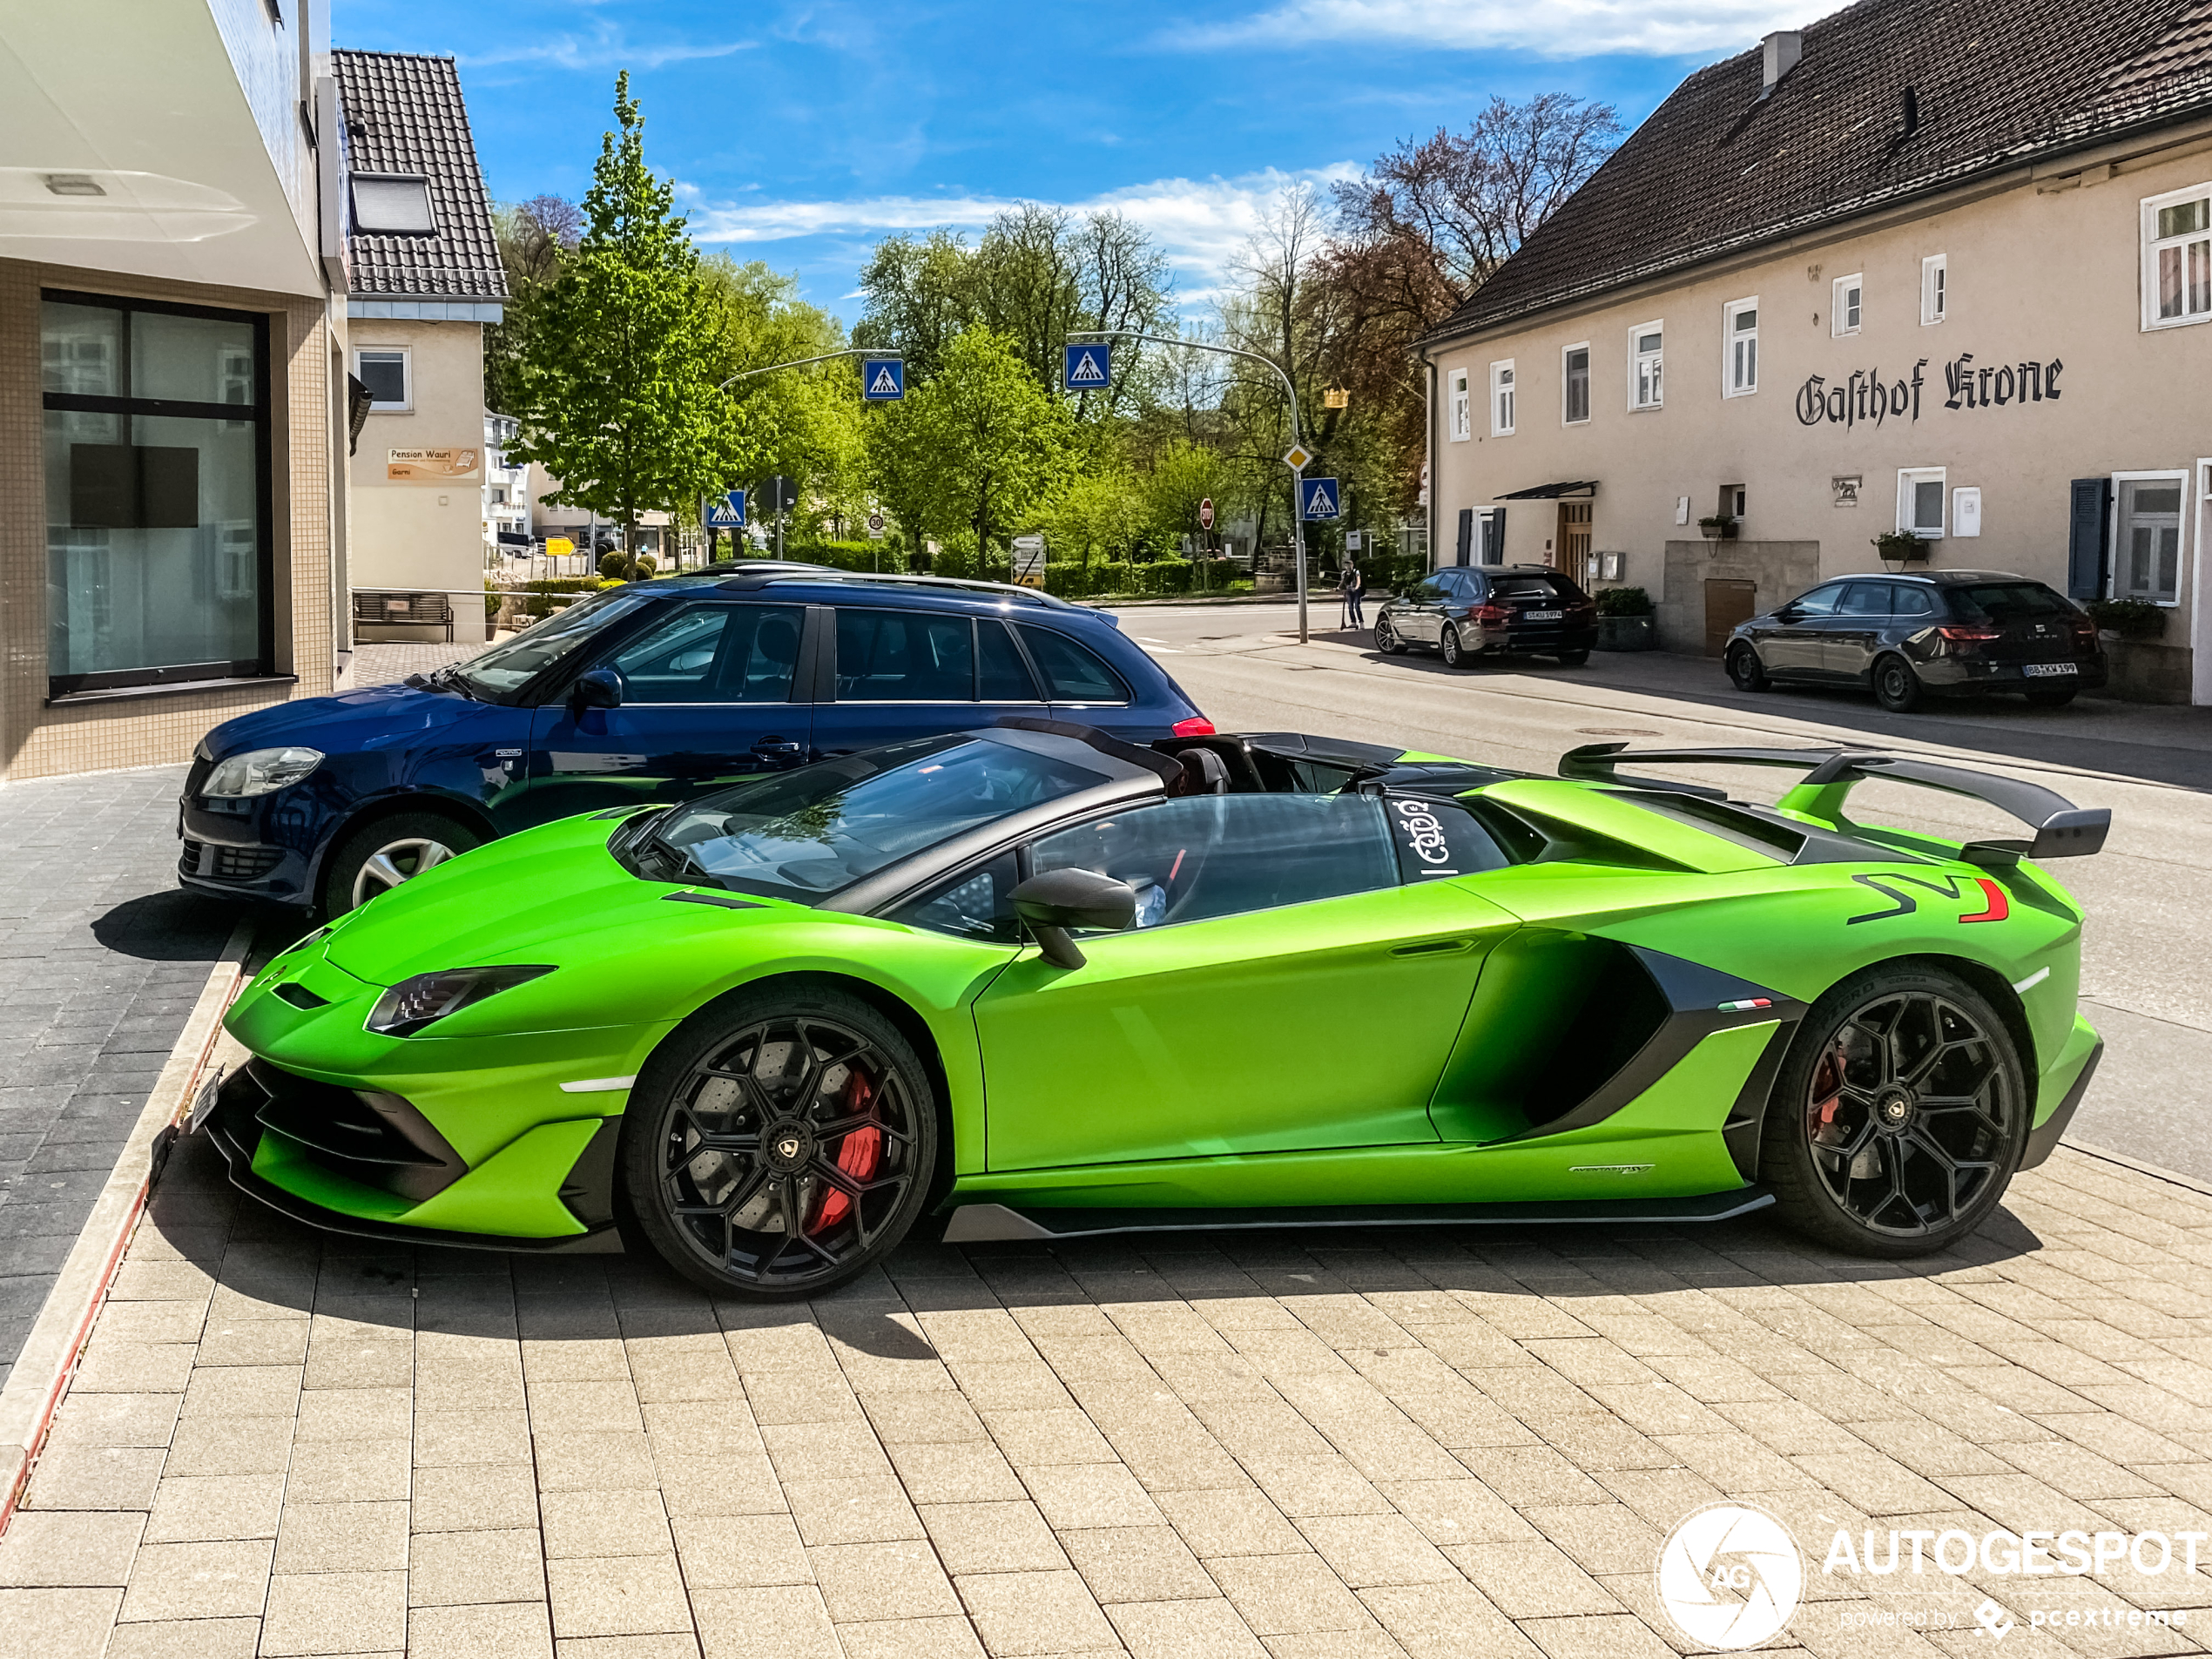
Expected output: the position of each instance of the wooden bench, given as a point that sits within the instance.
(404, 610)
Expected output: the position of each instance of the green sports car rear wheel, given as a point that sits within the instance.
(1899, 1115)
(781, 1143)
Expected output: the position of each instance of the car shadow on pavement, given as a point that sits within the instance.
(171, 926)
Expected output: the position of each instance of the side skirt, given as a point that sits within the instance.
(978, 1223)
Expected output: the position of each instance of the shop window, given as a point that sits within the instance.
(390, 376)
(1845, 302)
(1502, 400)
(1574, 375)
(1740, 377)
(2177, 258)
(2148, 544)
(1935, 288)
(1645, 391)
(157, 463)
(1920, 502)
(1462, 414)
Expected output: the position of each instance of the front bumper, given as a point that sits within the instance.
(259, 848)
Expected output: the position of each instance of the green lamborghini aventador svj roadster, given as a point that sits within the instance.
(1036, 983)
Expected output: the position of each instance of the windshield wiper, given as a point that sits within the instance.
(450, 678)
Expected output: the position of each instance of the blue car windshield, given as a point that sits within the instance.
(509, 665)
(807, 834)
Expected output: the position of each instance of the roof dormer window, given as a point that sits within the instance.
(393, 205)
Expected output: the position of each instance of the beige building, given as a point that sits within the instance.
(1872, 278)
(172, 374)
(426, 279)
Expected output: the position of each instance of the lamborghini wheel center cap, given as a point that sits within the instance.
(788, 1146)
(1893, 1111)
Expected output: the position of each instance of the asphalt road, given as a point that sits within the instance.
(2146, 972)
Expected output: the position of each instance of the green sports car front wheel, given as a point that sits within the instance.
(781, 1143)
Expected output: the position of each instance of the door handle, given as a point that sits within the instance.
(775, 748)
(1430, 947)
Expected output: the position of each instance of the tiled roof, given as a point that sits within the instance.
(404, 114)
(1715, 170)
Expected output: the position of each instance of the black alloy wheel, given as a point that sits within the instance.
(1449, 643)
(1745, 669)
(1899, 1115)
(1387, 639)
(1896, 688)
(781, 1143)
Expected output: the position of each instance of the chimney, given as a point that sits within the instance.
(1780, 52)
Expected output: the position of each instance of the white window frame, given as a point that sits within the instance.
(1840, 306)
(2115, 587)
(1935, 289)
(2153, 245)
(1457, 401)
(1731, 340)
(1505, 397)
(1658, 360)
(1909, 476)
(1566, 417)
(406, 355)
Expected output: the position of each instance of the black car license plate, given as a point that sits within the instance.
(1542, 616)
(2046, 670)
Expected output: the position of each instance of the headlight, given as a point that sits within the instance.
(414, 1003)
(260, 772)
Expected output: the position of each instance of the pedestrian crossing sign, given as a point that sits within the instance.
(1089, 369)
(883, 380)
(1317, 499)
(727, 513)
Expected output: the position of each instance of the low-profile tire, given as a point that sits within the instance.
(391, 851)
(1746, 670)
(780, 1141)
(1449, 646)
(2056, 699)
(1896, 688)
(1574, 658)
(1387, 639)
(1898, 1114)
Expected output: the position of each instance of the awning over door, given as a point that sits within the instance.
(1551, 492)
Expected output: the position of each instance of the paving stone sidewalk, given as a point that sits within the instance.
(102, 956)
(1431, 1443)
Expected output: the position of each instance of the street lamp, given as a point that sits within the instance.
(1298, 445)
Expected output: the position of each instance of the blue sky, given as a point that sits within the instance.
(800, 133)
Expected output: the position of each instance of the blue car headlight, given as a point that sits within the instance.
(259, 772)
(415, 1003)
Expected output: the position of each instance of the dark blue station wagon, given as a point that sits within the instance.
(657, 691)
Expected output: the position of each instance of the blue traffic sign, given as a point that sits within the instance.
(1091, 369)
(883, 380)
(728, 514)
(1317, 498)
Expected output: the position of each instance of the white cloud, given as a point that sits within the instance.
(604, 46)
(1551, 28)
(1201, 224)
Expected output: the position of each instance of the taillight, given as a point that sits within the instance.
(1490, 616)
(1196, 726)
(1965, 641)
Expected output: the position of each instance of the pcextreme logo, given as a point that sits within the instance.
(1731, 1576)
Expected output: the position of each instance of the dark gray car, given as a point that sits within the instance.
(1471, 612)
(1939, 632)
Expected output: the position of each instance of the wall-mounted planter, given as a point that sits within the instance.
(1717, 529)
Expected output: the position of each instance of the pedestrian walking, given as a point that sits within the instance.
(1353, 587)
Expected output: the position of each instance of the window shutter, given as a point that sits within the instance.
(2088, 528)
(1494, 538)
(1467, 535)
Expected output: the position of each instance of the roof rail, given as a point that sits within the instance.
(2062, 830)
(969, 584)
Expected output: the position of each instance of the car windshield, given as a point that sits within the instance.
(810, 833)
(2004, 602)
(507, 665)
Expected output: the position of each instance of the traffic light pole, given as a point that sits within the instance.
(1298, 474)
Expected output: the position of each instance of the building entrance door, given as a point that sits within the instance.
(1727, 603)
(1574, 545)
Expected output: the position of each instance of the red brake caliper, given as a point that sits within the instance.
(858, 1156)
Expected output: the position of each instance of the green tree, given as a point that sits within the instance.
(1183, 474)
(534, 237)
(974, 449)
(919, 295)
(1094, 517)
(618, 392)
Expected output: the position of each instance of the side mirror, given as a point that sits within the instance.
(597, 688)
(1059, 900)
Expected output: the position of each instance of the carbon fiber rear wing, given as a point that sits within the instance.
(2062, 830)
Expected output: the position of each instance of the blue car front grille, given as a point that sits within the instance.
(210, 862)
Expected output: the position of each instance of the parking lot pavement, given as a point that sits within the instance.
(104, 957)
(1427, 1442)
(380, 662)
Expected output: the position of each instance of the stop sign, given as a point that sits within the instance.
(1205, 513)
